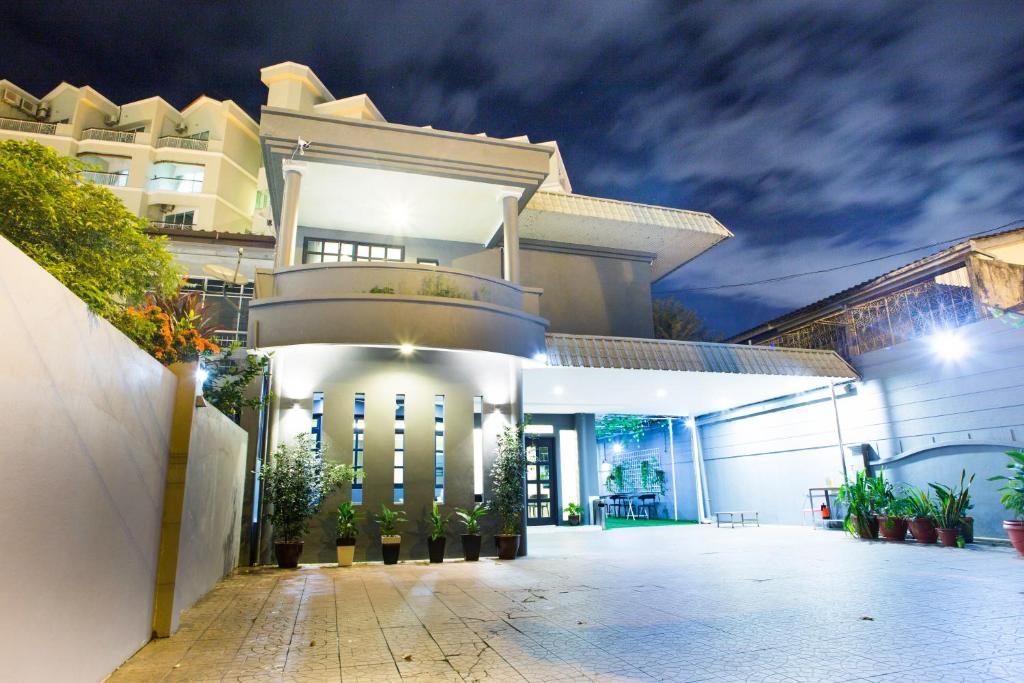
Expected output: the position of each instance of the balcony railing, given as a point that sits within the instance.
(183, 143)
(28, 126)
(108, 135)
(163, 225)
(111, 179)
(166, 184)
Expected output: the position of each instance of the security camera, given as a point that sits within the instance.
(303, 145)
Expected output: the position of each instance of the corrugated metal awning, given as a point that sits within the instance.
(627, 353)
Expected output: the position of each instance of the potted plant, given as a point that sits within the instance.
(922, 515)
(346, 531)
(1013, 498)
(892, 523)
(614, 481)
(950, 510)
(296, 480)
(507, 474)
(858, 495)
(390, 540)
(471, 539)
(438, 529)
(575, 513)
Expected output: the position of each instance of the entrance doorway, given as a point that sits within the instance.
(541, 481)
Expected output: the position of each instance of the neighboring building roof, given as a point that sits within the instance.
(626, 353)
(671, 236)
(871, 288)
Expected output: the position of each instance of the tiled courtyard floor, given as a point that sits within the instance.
(669, 603)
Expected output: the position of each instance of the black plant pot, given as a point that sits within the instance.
(287, 554)
(574, 520)
(435, 548)
(390, 551)
(471, 547)
(508, 546)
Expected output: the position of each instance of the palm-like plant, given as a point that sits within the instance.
(347, 518)
(1013, 490)
(438, 522)
(920, 503)
(471, 518)
(953, 502)
(389, 520)
(864, 497)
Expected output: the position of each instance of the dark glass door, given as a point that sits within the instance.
(541, 491)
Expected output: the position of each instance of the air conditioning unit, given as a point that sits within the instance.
(12, 98)
(29, 107)
(43, 110)
(165, 208)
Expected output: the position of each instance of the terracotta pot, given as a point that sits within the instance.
(508, 546)
(287, 554)
(574, 520)
(892, 528)
(346, 548)
(435, 548)
(923, 530)
(948, 537)
(471, 547)
(871, 532)
(390, 547)
(967, 529)
(1015, 530)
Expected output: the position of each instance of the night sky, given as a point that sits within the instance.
(820, 133)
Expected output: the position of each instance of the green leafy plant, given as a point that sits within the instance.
(659, 480)
(573, 509)
(438, 522)
(1013, 490)
(80, 232)
(296, 480)
(919, 503)
(382, 290)
(953, 502)
(438, 285)
(609, 426)
(230, 375)
(507, 475)
(389, 519)
(347, 519)
(864, 497)
(645, 474)
(471, 518)
(616, 479)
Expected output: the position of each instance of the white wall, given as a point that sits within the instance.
(85, 417)
(933, 416)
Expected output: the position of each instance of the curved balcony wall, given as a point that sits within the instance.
(394, 303)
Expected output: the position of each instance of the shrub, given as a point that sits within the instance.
(507, 475)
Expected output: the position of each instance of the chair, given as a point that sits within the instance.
(648, 505)
(617, 503)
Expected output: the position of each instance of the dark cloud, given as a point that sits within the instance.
(820, 133)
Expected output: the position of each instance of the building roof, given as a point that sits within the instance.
(627, 353)
(872, 287)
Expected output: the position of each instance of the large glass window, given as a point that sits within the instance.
(439, 448)
(358, 429)
(399, 496)
(315, 250)
(169, 176)
(110, 170)
(478, 448)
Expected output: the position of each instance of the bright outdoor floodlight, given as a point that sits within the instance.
(541, 357)
(948, 345)
(202, 374)
(406, 349)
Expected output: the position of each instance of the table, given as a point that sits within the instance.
(744, 514)
(822, 492)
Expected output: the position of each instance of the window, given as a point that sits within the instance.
(226, 304)
(399, 496)
(169, 176)
(439, 449)
(180, 218)
(358, 429)
(262, 199)
(428, 261)
(331, 251)
(478, 448)
(318, 419)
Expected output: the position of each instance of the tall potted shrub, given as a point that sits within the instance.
(863, 497)
(296, 480)
(346, 531)
(922, 515)
(471, 539)
(507, 474)
(438, 528)
(390, 540)
(953, 502)
(1013, 498)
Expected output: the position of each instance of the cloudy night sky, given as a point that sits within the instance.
(820, 133)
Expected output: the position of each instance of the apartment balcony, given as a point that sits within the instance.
(28, 126)
(395, 304)
(172, 141)
(106, 178)
(106, 135)
(160, 226)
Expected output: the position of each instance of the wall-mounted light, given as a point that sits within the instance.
(541, 357)
(202, 374)
(948, 345)
(406, 349)
(558, 390)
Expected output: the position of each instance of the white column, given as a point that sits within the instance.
(698, 471)
(672, 459)
(286, 232)
(510, 216)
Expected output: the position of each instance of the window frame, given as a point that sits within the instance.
(355, 251)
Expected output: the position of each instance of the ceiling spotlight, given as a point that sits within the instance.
(617, 448)
(558, 391)
(948, 345)
(660, 393)
(406, 349)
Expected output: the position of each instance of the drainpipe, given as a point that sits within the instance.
(672, 458)
(839, 430)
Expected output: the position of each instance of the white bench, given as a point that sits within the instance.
(744, 515)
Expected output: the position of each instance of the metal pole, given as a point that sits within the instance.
(839, 430)
(697, 469)
(672, 456)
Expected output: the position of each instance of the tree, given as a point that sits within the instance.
(79, 231)
(672, 320)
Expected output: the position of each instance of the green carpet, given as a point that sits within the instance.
(624, 523)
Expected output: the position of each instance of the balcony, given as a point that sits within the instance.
(390, 304)
(183, 143)
(109, 179)
(165, 225)
(106, 135)
(166, 184)
(28, 126)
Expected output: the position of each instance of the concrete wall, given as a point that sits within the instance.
(86, 419)
(924, 418)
